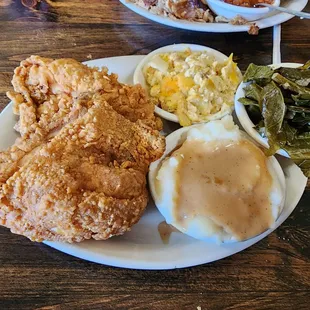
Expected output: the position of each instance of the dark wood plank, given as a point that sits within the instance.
(206, 301)
(273, 274)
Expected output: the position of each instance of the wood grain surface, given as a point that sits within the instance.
(273, 274)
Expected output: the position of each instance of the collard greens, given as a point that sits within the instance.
(300, 77)
(258, 74)
(254, 92)
(273, 111)
(278, 102)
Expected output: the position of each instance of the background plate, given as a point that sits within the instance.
(268, 21)
(142, 248)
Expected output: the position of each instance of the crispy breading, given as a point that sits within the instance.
(83, 176)
(87, 182)
(45, 89)
(47, 96)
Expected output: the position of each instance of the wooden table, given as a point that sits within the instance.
(273, 274)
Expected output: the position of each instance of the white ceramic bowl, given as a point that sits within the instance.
(230, 11)
(244, 118)
(176, 139)
(138, 77)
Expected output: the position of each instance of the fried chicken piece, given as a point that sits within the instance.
(45, 98)
(88, 181)
(45, 89)
(9, 159)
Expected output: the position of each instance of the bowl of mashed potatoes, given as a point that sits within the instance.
(215, 184)
(189, 83)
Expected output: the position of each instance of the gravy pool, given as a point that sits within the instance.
(227, 181)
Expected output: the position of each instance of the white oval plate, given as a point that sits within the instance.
(244, 118)
(142, 248)
(269, 21)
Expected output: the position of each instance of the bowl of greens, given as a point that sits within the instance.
(273, 106)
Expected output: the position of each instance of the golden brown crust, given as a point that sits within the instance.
(85, 177)
(45, 91)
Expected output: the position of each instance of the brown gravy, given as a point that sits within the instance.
(165, 230)
(226, 181)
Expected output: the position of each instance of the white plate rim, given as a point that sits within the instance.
(277, 18)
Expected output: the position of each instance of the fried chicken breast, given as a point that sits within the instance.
(83, 176)
(45, 89)
(45, 99)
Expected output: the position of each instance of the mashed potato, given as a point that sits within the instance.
(193, 85)
(219, 185)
